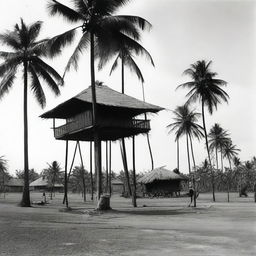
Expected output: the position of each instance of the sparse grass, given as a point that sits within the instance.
(164, 226)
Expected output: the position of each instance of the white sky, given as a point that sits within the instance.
(184, 31)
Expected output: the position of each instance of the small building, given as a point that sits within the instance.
(42, 185)
(161, 182)
(14, 185)
(117, 186)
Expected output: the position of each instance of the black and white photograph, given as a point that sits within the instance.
(128, 127)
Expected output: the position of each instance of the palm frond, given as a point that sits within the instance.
(56, 7)
(9, 64)
(7, 82)
(133, 67)
(34, 30)
(36, 87)
(104, 7)
(48, 69)
(46, 77)
(82, 45)
(11, 39)
(56, 43)
(137, 21)
(114, 66)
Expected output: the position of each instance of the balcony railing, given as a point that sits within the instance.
(84, 120)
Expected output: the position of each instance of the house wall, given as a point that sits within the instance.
(164, 187)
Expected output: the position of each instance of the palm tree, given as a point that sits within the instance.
(27, 52)
(185, 123)
(229, 152)
(102, 30)
(53, 174)
(218, 137)
(3, 172)
(125, 56)
(206, 89)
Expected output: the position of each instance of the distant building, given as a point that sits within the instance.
(161, 182)
(14, 185)
(117, 186)
(42, 184)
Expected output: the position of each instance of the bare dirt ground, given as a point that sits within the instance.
(162, 227)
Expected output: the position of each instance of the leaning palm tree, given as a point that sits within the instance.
(218, 137)
(206, 89)
(27, 52)
(101, 30)
(185, 123)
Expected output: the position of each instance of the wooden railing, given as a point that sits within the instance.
(84, 120)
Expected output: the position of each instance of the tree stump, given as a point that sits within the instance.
(104, 203)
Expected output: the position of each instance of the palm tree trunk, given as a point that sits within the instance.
(208, 152)
(221, 158)
(192, 152)
(91, 174)
(97, 140)
(189, 168)
(228, 177)
(26, 196)
(193, 177)
(84, 187)
(124, 156)
(216, 153)
(127, 178)
(178, 154)
(107, 166)
(134, 196)
(149, 146)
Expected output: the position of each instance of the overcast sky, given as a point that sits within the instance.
(183, 32)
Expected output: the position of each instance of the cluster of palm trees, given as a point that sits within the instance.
(106, 35)
(206, 89)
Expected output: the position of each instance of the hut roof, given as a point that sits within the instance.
(14, 182)
(160, 173)
(106, 97)
(117, 182)
(42, 181)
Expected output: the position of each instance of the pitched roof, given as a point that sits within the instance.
(14, 182)
(160, 173)
(105, 96)
(42, 181)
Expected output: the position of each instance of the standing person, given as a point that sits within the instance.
(191, 192)
(44, 198)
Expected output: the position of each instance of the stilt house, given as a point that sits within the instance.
(116, 116)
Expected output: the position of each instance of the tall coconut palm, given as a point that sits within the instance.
(185, 123)
(127, 48)
(218, 137)
(101, 30)
(27, 52)
(206, 89)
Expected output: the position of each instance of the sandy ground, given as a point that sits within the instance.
(161, 227)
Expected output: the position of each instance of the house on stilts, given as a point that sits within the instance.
(118, 116)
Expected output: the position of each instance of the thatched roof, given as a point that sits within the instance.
(41, 182)
(117, 182)
(106, 97)
(160, 173)
(13, 182)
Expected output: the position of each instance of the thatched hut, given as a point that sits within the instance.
(42, 185)
(161, 182)
(14, 185)
(117, 186)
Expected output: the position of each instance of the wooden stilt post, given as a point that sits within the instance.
(134, 196)
(110, 172)
(82, 165)
(91, 174)
(106, 167)
(97, 152)
(66, 176)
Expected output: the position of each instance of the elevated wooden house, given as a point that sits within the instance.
(116, 116)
